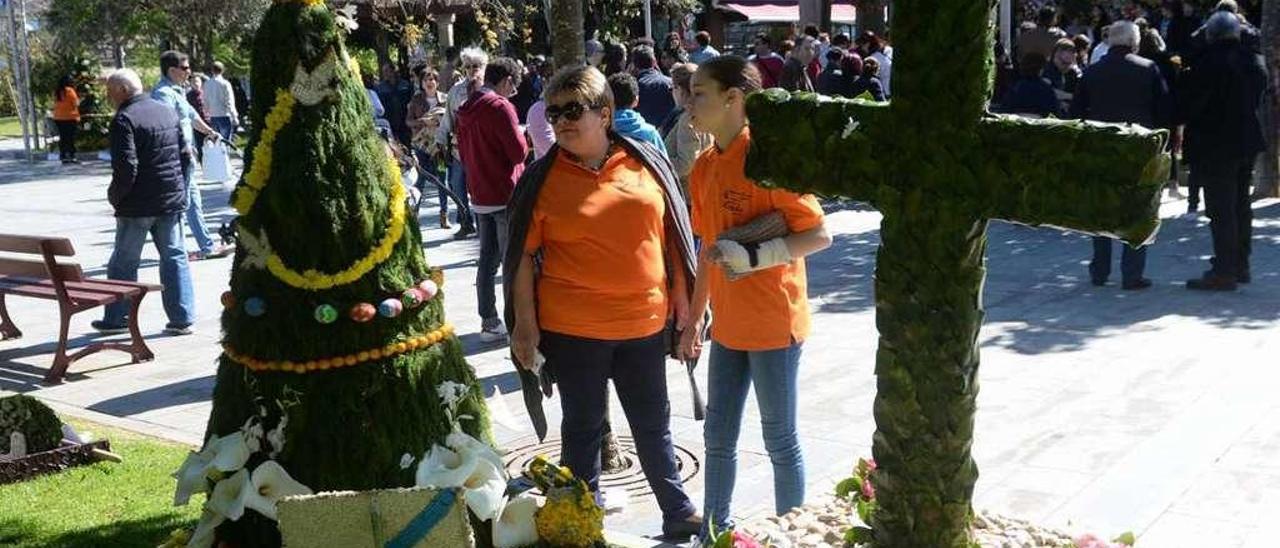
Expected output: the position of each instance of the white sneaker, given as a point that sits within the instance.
(497, 333)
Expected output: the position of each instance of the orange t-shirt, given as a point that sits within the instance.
(68, 109)
(769, 309)
(602, 238)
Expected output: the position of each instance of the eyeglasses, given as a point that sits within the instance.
(570, 111)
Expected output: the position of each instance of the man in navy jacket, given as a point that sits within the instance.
(656, 101)
(149, 193)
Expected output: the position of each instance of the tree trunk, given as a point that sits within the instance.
(567, 47)
(871, 16)
(1269, 177)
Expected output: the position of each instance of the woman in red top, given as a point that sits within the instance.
(66, 114)
(757, 291)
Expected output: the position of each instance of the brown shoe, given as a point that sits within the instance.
(444, 220)
(1212, 282)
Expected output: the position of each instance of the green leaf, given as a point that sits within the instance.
(1126, 538)
(847, 486)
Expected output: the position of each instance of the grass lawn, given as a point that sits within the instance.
(9, 127)
(104, 504)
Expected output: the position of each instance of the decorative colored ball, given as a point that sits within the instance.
(390, 308)
(255, 307)
(413, 297)
(428, 288)
(228, 300)
(362, 312)
(326, 314)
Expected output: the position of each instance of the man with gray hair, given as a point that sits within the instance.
(149, 160)
(1122, 88)
(473, 61)
(1218, 101)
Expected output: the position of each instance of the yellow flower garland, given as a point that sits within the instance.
(316, 281)
(413, 343)
(257, 178)
(280, 114)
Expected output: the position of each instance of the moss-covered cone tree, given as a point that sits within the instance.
(325, 239)
(938, 169)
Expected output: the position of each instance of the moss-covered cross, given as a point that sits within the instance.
(938, 168)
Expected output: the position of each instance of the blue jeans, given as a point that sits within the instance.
(731, 373)
(224, 125)
(492, 228)
(1132, 261)
(195, 213)
(458, 184)
(429, 168)
(583, 368)
(166, 231)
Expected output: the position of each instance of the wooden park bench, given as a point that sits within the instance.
(47, 278)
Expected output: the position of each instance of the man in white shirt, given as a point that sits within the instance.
(220, 99)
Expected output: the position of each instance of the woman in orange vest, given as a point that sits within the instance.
(757, 291)
(66, 114)
(600, 257)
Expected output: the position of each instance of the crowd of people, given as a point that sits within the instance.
(612, 196)
(618, 183)
(1201, 77)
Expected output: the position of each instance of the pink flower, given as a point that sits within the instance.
(871, 464)
(742, 540)
(868, 490)
(1091, 541)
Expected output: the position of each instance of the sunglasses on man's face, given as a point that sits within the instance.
(185, 67)
(569, 111)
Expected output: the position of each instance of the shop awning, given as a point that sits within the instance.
(782, 11)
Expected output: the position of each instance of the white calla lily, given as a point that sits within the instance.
(230, 452)
(192, 477)
(485, 490)
(444, 468)
(203, 536)
(515, 527)
(465, 443)
(269, 484)
(228, 495)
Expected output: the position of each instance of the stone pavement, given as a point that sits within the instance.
(1101, 410)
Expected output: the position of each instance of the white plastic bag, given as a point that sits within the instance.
(217, 161)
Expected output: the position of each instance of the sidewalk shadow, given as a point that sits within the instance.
(195, 390)
(1037, 280)
(16, 376)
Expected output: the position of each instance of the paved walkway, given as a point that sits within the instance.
(1101, 410)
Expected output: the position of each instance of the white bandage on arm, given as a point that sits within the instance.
(741, 258)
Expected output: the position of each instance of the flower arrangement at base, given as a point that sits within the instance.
(859, 490)
(221, 470)
(731, 538)
(570, 515)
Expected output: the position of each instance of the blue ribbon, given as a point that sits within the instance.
(422, 524)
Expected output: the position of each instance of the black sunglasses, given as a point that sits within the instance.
(570, 111)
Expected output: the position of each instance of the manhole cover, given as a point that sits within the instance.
(630, 477)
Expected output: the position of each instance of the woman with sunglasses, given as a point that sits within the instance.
(757, 292)
(597, 270)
